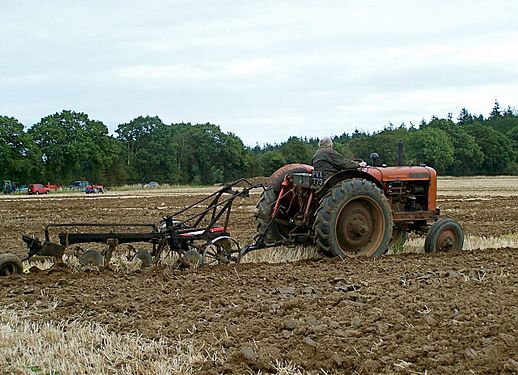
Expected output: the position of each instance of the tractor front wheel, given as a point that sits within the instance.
(444, 235)
(354, 219)
(10, 264)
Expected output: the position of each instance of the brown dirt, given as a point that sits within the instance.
(410, 313)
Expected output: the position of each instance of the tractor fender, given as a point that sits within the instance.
(343, 175)
(278, 176)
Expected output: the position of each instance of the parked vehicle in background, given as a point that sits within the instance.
(7, 186)
(21, 188)
(79, 185)
(94, 188)
(53, 187)
(38, 189)
(152, 184)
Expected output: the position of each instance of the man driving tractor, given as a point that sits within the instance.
(329, 161)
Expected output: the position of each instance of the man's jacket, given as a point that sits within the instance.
(329, 162)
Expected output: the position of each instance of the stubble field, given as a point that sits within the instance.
(403, 313)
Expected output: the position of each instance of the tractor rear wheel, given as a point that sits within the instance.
(278, 229)
(353, 219)
(264, 210)
(444, 235)
(10, 264)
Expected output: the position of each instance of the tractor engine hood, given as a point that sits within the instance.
(405, 173)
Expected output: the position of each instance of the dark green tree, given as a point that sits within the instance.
(205, 149)
(496, 147)
(205, 154)
(184, 139)
(496, 112)
(255, 168)
(504, 123)
(512, 135)
(297, 151)
(18, 153)
(343, 149)
(467, 156)
(464, 117)
(233, 158)
(431, 146)
(271, 161)
(140, 138)
(384, 143)
(73, 146)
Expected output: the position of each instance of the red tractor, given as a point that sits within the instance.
(355, 212)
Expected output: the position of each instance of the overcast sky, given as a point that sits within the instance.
(264, 70)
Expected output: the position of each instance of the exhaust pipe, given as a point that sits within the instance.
(400, 160)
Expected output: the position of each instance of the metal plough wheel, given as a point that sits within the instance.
(145, 258)
(10, 264)
(221, 250)
(91, 258)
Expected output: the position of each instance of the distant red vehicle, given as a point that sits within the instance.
(54, 187)
(38, 189)
(94, 188)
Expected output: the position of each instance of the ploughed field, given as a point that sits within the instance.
(402, 313)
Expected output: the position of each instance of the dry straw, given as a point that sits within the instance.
(86, 347)
(120, 263)
(75, 347)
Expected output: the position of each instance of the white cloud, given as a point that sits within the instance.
(184, 72)
(286, 68)
(252, 66)
(167, 72)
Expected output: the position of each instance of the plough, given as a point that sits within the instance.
(202, 237)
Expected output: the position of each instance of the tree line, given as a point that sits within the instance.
(69, 146)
